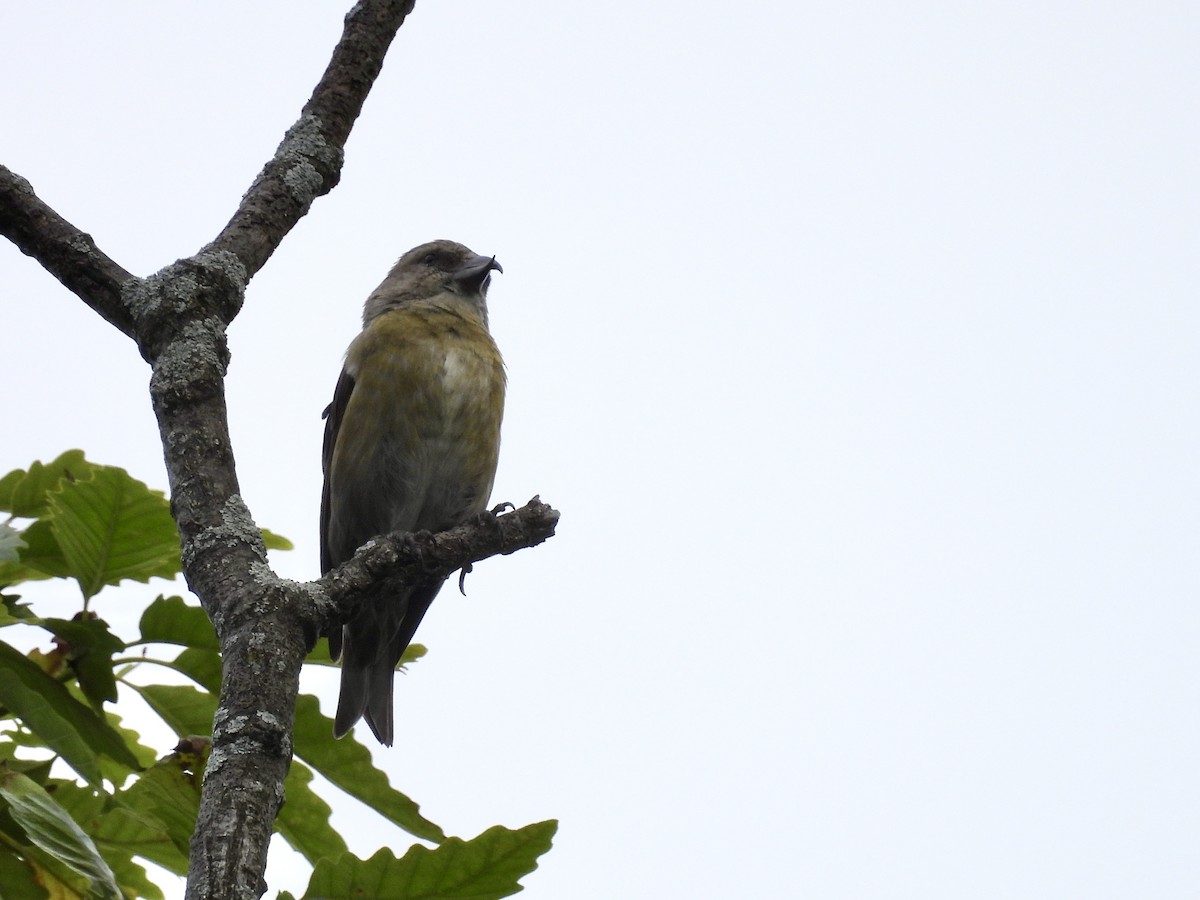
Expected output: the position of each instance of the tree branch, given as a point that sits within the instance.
(178, 317)
(64, 251)
(308, 163)
(391, 563)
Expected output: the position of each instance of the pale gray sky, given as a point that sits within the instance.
(857, 343)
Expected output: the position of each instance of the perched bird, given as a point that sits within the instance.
(411, 443)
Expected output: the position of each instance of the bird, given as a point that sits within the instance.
(412, 440)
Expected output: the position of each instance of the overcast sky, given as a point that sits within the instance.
(856, 341)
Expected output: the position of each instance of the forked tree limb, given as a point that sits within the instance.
(178, 317)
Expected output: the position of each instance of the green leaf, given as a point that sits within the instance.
(119, 835)
(168, 793)
(112, 527)
(202, 666)
(483, 868)
(319, 654)
(41, 558)
(81, 803)
(64, 724)
(131, 877)
(90, 649)
(347, 764)
(23, 494)
(37, 769)
(304, 818)
(172, 620)
(53, 831)
(19, 878)
(85, 643)
(60, 881)
(276, 541)
(138, 833)
(10, 543)
(12, 612)
(145, 756)
(411, 654)
(186, 710)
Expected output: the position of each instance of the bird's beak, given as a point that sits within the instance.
(474, 273)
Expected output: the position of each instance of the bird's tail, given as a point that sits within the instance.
(368, 671)
(352, 701)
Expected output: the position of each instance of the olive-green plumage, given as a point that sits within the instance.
(411, 444)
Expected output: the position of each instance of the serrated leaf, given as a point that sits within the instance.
(12, 606)
(347, 764)
(131, 877)
(169, 791)
(304, 818)
(10, 543)
(53, 831)
(8, 484)
(484, 868)
(42, 557)
(172, 620)
(145, 756)
(23, 494)
(12, 611)
(111, 527)
(64, 724)
(90, 649)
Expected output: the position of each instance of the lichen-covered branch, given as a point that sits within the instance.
(308, 162)
(64, 251)
(178, 316)
(390, 563)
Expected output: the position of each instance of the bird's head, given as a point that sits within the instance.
(432, 269)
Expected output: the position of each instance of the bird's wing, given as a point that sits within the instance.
(333, 422)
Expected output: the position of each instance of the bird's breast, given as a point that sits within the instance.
(433, 382)
(463, 378)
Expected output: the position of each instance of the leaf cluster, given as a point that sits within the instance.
(84, 803)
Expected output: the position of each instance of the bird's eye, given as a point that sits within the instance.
(429, 259)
